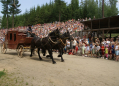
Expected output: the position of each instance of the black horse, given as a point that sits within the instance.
(61, 44)
(45, 43)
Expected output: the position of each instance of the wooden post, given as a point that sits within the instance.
(103, 34)
(99, 24)
(82, 35)
(97, 34)
(87, 34)
(91, 33)
(91, 25)
(109, 23)
(110, 34)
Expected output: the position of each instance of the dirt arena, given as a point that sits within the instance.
(75, 71)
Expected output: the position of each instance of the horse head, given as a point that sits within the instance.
(66, 35)
(55, 33)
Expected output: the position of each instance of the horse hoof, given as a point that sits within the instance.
(54, 62)
(40, 58)
(47, 56)
(43, 54)
(59, 56)
(62, 61)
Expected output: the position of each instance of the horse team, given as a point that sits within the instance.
(55, 40)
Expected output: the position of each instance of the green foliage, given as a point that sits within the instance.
(9, 9)
(5, 10)
(60, 10)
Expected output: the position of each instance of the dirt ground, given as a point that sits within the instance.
(75, 71)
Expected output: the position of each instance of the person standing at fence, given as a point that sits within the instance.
(87, 50)
(68, 46)
(102, 50)
(106, 51)
(83, 49)
(74, 45)
(98, 51)
(110, 51)
(93, 49)
(117, 53)
(113, 50)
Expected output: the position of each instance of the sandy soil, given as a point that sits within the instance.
(75, 71)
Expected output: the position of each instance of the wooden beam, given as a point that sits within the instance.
(91, 25)
(110, 34)
(101, 29)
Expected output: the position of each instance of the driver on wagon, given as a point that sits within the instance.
(29, 31)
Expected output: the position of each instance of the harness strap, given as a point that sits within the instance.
(62, 42)
(38, 39)
(52, 41)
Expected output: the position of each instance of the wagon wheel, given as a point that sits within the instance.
(20, 51)
(3, 48)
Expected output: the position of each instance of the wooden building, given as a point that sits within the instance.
(102, 26)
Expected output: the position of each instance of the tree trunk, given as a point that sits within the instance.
(13, 21)
(7, 21)
(102, 8)
(7, 16)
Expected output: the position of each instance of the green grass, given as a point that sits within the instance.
(2, 73)
(26, 83)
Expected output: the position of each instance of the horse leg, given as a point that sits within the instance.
(39, 54)
(31, 52)
(49, 55)
(61, 53)
(50, 52)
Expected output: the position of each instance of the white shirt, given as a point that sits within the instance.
(68, 44)
(98, 47)
(116, 47)
(88, 48)
(74, 43)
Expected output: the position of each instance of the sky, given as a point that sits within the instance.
(27, 4)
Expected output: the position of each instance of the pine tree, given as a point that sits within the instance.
(14, 10)
(5, 10)
(114, 10)
(4, 20)
(59, 6)
(74, 8)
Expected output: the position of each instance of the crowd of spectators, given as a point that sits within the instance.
(106, 49)
(42, 30)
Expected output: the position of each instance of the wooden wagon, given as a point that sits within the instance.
(16, 40)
